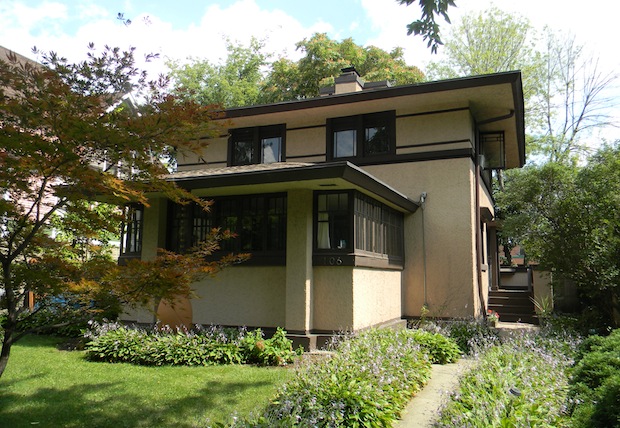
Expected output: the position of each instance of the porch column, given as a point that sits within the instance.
(299, 299)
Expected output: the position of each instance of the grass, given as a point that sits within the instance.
(45, 387)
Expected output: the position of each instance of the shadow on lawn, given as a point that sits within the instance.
(84, 406)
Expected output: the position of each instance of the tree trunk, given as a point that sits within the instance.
(7, 343)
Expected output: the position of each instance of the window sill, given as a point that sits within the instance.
(357, 260)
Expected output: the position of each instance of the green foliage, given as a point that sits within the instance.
(426, 26)
(366, 381)
(246, 77)
(567, 218)
(595, 382)
(469, 335)
(521, 382)
(233, 83)
(324, 58)
(440, 349)
(162, 347)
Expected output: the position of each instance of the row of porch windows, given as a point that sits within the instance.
(344, 223)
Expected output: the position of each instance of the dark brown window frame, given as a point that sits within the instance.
(192, 221)
(132, 232)
(256, 134)
(359, 124)
(351, 254)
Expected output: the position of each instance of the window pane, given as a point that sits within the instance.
(345, 143)
(376, 141)
(243, 152)
(271, 149)
(333, 222)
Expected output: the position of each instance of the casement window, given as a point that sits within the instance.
(361, 136)
(259, 221)
(131, 236)
(264, 144)
(354, 229)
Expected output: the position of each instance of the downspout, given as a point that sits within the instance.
(477, 214)
(423, 206)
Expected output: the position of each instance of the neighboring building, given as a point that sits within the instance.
(359, 207)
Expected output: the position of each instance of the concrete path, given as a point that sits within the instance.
(423, 409)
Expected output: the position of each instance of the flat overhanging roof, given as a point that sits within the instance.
(283, 176)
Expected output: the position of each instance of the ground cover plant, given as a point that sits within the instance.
(47, 387)
(367, 380)
(520, 382)
(160, 346)
(595, 382)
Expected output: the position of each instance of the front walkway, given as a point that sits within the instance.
(423, 409)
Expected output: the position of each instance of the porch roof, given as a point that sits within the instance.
(283, 176)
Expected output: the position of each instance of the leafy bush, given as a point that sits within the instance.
(521, 382)
(214, 345)
(468, 334)
(440, 349)
(595, 382)
(367, 381)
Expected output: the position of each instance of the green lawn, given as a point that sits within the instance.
(45, 387)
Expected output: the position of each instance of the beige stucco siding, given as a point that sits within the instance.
(306, 145)
(449, 235)
(434, 132)
(242, 295)
(333, 298)
(376, 296)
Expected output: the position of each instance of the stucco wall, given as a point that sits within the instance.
(333, 298)
(376, 296)
(242, 295)
(449, 235)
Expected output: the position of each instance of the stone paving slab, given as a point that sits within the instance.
(423, 409)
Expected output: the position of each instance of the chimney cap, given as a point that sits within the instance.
(350, 69)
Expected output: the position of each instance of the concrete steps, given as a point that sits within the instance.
(513, 304)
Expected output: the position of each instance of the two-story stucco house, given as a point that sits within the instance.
(359, 207)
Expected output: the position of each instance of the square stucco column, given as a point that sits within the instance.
(299, 262)
(154, 228)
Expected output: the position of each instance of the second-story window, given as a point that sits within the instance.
(361, 136)
(261, 144)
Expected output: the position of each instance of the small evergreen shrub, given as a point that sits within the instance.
(470, 334)
(595, 382)
(201, 347)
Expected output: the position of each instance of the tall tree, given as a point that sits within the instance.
(234, 82)
(322, 63)
(564, 91)
(427, 26)
(60, 125)
(568, 218)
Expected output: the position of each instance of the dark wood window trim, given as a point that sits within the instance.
(356, 128)
(253, 137)
(131, 233)
(372, 237)
(258, 220)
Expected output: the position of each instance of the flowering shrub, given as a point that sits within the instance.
(521, 382)
(468, 334)
(367, 381)
(113, 342)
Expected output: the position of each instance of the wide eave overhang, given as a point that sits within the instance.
(495, 101)
(281, 177)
